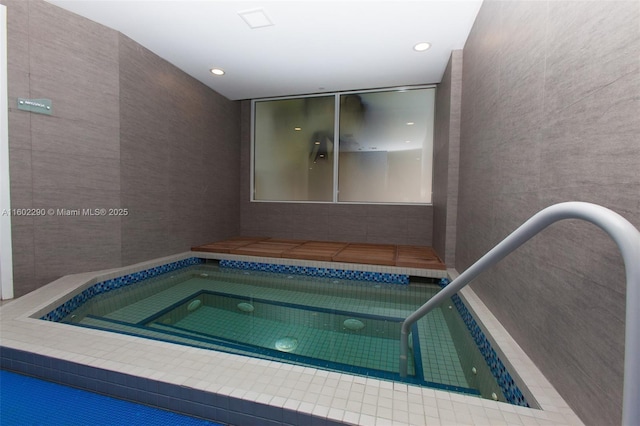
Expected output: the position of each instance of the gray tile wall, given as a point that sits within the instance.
(550, 101)
(179, 158)
(446, 159)
(70, 159)
(390, 224)
(172, 162)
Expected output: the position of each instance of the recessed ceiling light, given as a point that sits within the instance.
(297, 129)
(317, 142)
(421, 47)
(410, 123)
(217, 71)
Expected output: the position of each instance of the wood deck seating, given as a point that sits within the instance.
(370, 254)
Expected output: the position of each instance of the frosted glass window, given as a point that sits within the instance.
(383, 153)
(293, 149)
(386, 145)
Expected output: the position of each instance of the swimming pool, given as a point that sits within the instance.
(236, 389)
(329, 319)
(60, 405)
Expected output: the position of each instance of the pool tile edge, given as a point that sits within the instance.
(223, 374)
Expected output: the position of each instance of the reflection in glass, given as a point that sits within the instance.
(386, 141)
(293, 149)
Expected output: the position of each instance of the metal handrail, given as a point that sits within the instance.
(626, 236)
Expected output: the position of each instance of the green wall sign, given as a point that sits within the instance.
(40, 106)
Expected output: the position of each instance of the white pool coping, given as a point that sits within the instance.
(337, 397)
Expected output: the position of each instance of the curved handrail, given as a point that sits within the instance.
(626, 236)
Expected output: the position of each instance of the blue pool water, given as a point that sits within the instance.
(28, 401)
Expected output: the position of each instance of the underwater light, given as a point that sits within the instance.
(245, 307)
(287, 344)
(353, 324)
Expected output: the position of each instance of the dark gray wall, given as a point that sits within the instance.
(68, 160)
(391, 224)
(128, 130)
(179, 158)
(446, 159)
(550, 102)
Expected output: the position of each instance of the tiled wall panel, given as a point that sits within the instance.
(128, 130)
(547, 118)
(446, 159)
(70, 159)
(179, 158)
(20, 141)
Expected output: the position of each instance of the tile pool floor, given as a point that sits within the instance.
(247, 389)
(363, 350)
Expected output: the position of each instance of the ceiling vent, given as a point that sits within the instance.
(255, 18)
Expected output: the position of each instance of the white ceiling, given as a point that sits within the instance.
(312, 46)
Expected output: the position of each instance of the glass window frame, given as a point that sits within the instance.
(336, 155)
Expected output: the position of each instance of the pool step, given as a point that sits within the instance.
(162, 333)
(171, 334)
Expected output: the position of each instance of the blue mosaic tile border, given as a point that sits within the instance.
(105, 286)
(511, 392)
(379, 277)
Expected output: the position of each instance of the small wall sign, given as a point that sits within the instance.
(40, 106)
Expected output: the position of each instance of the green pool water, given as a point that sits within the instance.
(340, 325)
